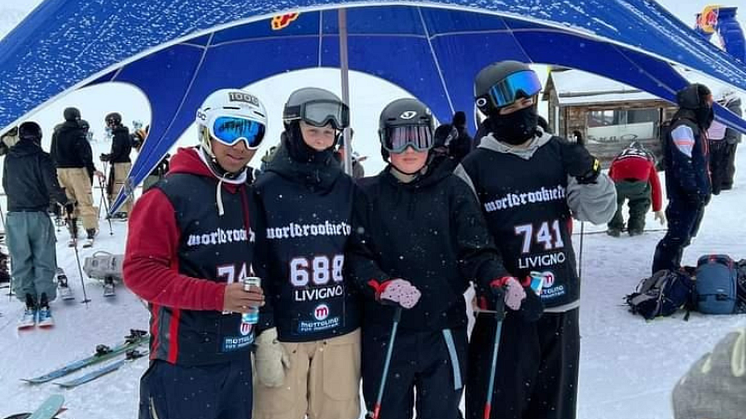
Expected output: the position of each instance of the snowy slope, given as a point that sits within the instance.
(628, 366)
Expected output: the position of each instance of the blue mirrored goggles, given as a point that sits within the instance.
(230, 130)
(521, 84)
(396, 139)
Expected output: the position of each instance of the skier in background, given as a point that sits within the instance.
(119, 158)
(30, 182)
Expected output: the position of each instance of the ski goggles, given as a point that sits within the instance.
(319, 113)
(520, 84)
(230, 130)
(396, 139)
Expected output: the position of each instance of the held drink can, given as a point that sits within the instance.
(537, 282)
(252, 317)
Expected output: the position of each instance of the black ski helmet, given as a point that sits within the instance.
(296, 107)
(30, 130)
(490, 76)
(71, 114)
(399, 113)
(84, 125)
(113, 118)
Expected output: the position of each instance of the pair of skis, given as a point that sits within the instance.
(103, 353)
(51, 407)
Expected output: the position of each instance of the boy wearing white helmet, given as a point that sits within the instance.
(191, 243)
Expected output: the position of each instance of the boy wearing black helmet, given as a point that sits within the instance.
(308, 349)
(530, 184)
(72, 155)
(419, 238)
(119, 158)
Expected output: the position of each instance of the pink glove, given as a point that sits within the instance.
(514, 294)
(512, 290)
(397, 292)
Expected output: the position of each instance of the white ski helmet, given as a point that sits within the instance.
(228, 102)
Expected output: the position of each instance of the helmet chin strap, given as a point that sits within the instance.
(227, 177)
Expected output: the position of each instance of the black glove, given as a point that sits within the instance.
(532, 307)
(579, 163)
(105, 157)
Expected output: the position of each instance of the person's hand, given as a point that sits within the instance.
(271, 359)
(104, 157)
(398, 292)
(579, 163)
(99, 174)
(237, 300)
(512, 291)
(660, 217)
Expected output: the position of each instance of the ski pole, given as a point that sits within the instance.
(580, 256)
(101, 201)
(493, 369)
(377, 407)
(80, 272)
(106, 206)
(80, 269)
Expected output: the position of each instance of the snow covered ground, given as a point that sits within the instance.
(628, 366)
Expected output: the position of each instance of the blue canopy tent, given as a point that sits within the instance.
(178, 51)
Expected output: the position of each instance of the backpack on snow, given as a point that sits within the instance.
(104, 264)
(716, 285)
(662, 294)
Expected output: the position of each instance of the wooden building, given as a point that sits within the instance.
(609, 115)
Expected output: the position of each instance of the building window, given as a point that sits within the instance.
(622, 125)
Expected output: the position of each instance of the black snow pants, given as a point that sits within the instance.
(432, 362)
(537, 367)
(683, 224)
(220, 391)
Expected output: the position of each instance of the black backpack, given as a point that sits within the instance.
(662, 294)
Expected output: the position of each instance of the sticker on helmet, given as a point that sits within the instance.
(243, 97)
(408, 115)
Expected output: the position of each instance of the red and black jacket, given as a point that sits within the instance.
(180, 255)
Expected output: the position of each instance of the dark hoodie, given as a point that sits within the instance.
(686, 154)
(181, 254)
(307, 202)
(430, 232)
(70, 148)
(121, 145)
(29, 178)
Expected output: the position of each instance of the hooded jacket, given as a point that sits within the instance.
(308, 209)
(29, 179)
(70, 148)
(528, 198)
(429, 232)
(686, 152)
(121, 145)
(180, 256)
